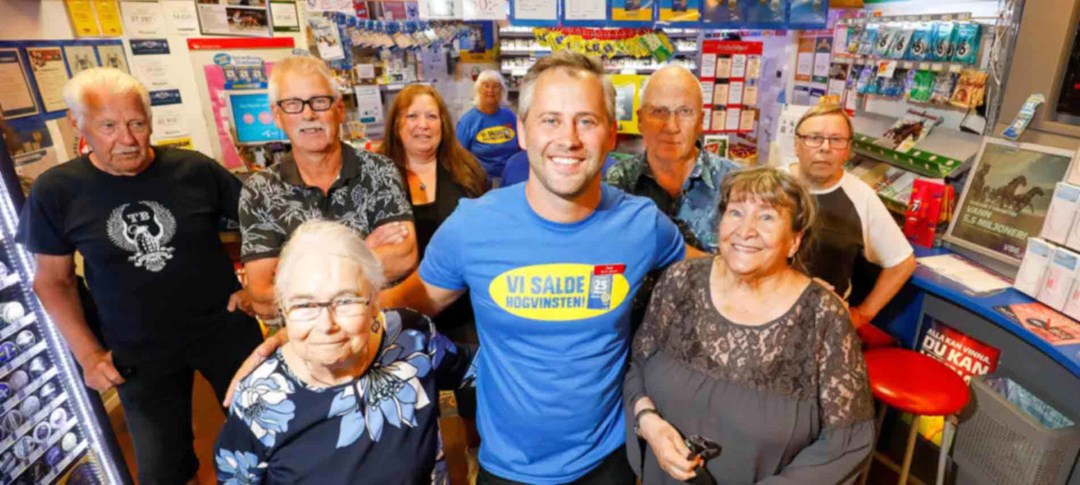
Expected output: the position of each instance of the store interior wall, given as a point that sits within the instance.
(28, 20)
(1038, 66)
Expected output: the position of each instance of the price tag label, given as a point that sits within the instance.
(886, 68)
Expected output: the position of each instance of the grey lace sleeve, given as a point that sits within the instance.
(847, 431)
(654, 328)
(843, 389)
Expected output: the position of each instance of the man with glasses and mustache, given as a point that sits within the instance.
(674, 172)
(322, 178)
(146, 221)
(852, 221)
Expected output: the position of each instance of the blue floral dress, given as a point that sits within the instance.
(380, 428)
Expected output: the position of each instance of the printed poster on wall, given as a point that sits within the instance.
(478, 46)
(680, 10)
(630, 10)
(225, 17)
(441, 9)
(113, 56)
(1006, 197)
(283, 16)
(485, 9)
(32, 147)
(83, 19)
(80, 58)
(143, 19)
(16, 96)
(108, 17)
(50, 75)
(733, 69)
(627, 101)
(181, 17)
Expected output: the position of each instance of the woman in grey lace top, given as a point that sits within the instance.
(747, 351)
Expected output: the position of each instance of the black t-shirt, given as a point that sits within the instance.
(428, 218)
(153, 259)
(837, 241)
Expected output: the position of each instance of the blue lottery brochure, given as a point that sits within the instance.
(942, 39)
(919, 47)
(885, 39)
(899, 48)
(966, 42)
(869, 40)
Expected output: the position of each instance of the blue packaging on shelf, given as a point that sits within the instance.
(885, 39)
(966, 42)
(919, 47)
(869, 39)
(899, 47)
(942, 42)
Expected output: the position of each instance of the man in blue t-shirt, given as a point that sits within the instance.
(552, 266)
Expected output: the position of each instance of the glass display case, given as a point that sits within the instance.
(53, 430)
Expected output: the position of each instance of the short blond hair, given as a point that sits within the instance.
(301, 66)
(826, 110)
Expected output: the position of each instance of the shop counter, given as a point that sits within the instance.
(1050, 371)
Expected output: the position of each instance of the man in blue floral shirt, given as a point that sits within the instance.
(682, 179)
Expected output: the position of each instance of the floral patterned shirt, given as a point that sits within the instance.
(380, 428)
(695, 210)
(367, 194)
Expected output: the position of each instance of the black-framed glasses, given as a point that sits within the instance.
(661, 114)
(814, 141)
(341, 308)
(296, 105)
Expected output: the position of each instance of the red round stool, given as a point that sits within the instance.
(917, 384)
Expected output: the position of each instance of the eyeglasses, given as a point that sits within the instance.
(342, 308)
(814, 141)
(296, 105)
(683, 114)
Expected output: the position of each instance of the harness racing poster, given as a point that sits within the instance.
(1006, 197)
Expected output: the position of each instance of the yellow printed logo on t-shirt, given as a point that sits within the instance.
(560, 292)
(495, 135)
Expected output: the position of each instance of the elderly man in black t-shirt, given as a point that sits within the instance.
(321, 178)
(145, 220)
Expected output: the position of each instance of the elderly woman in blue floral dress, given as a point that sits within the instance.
(352, 396)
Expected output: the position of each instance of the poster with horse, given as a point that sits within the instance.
(1006, 197)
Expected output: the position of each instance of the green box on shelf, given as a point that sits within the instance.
(919, 161)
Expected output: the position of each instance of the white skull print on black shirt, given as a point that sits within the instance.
(144, 228)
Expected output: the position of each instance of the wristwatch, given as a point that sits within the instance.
(637, 418)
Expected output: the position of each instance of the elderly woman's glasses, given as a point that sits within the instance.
(295, 105)
(343, 308)
(814, 141)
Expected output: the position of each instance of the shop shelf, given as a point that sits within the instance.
(945, 153)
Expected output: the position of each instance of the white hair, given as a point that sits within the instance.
(485, 76)
(327, 238)
(101, 81)
(573, 64)
(301, 66)
(670, 67)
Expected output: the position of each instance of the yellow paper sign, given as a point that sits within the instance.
(108, 15)
(83, 20)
